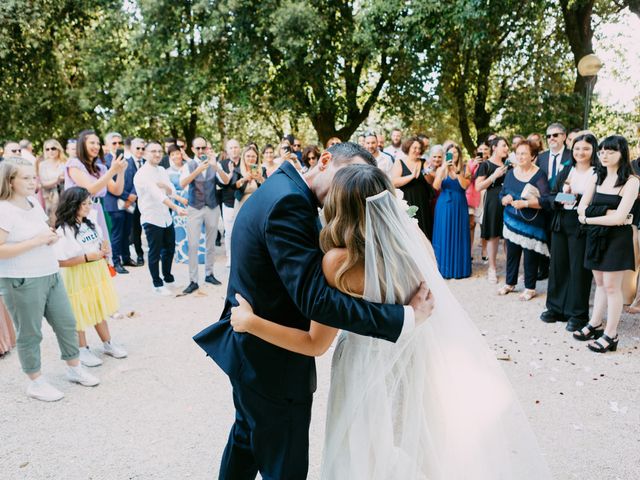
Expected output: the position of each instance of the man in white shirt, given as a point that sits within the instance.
(27, 150)
(395, 149)
(383, 160)
(155, 193)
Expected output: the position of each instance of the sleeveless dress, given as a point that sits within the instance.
(451, 231)
(97, 212)
(419, 193)
(493, 210)
(616, 245)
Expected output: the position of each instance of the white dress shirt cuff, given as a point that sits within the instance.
(409, 322)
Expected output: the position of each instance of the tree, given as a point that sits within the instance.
(329, 60)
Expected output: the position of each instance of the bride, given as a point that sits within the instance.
(433, 406)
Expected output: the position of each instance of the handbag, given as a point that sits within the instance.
(529, 192)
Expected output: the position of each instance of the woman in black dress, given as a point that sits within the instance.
(605, 209)
(490, 177)
(408, 174)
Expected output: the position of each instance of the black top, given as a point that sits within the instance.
(228, 190)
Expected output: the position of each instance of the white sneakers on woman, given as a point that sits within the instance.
(42, 390)
(114, 350)
(79, 375)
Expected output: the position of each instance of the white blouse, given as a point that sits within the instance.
(71, 245)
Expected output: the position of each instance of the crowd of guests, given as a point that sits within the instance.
(71, 218)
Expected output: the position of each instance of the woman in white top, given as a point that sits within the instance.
(81, 251)
(252, 176)
(30, 280)
(50, 172)
(569, 282)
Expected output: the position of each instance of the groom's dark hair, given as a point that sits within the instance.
(345, 153)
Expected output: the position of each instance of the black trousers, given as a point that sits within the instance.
(162, 246)
(531, 259)
(121, 225)
(270, 435)
(136, 233)
(569, 282)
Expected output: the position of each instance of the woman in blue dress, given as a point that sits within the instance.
(524, 229)
(451, 239)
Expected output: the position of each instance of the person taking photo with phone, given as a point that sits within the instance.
(202, 211)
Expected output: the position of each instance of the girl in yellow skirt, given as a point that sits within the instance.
(81, 251)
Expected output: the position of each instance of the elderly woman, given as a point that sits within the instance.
(50, 171)
(524, 228)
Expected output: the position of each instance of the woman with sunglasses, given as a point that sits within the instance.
(605, 209)
(50, 171)
(310, 156)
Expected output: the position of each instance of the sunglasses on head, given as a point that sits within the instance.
(553, 135)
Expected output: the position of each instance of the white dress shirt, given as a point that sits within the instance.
(557, 160)
(384, 162)
(150, 196)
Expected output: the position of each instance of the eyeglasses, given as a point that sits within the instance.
(553, 135)
(50, 149)
(200, 148)
(139, 148)
(116, 143)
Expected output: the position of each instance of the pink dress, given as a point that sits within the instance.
(7, 333)
(98, 213)
(473, 196)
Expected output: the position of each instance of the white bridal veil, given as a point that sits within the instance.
(433, 406)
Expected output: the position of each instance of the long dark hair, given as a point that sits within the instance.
(83, 155)
(68, 206)
(591, 140)
(617, 143)
(493, 144)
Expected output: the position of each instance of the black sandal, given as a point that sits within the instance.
(591, 332)
(598, 347)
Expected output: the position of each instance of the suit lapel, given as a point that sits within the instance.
(291, 172)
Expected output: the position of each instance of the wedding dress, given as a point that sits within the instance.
(433, 406)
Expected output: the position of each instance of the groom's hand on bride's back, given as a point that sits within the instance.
(422, 303)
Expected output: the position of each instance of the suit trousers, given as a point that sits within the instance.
(270, 435)
(569, 282)
(531, 258)
(162, 246)
(209, 217)
(136, 233)
(121, 226)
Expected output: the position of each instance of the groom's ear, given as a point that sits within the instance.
(324, 160)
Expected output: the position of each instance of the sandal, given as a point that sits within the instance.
(588, 332)
(527, 295)
(633, 309)
(506, 289)
(599, 347)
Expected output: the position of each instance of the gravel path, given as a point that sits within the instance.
(165, 412)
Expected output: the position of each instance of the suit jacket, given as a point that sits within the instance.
(110, 200)
(544, 159)
(276, 266)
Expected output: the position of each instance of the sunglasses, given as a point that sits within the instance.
(553, 135)
(180, 145)
(139, 148)
(50, 149)
(311, 158)
(200, 148)
(16, 150)
(297, 144)
(116, 143)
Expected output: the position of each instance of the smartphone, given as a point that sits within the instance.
(287, 149)
(507, 163)
(119, 152)
(254, 168)
(565, 198)
(449, 158)
(204, 158)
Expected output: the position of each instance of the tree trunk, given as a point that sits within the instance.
(189, 129)
(577, 25)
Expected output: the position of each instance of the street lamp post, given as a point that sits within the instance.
(588, 67)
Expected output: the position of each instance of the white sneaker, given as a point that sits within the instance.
(88, 359)
(40, 389)
(164, 291)
(115, 350)
(80, 375)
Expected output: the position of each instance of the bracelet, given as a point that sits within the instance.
(86, 260)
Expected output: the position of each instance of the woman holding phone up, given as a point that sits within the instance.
(252, 175)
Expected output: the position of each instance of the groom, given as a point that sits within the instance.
(276, 266)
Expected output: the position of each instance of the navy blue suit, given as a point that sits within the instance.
(543, 162)
(276, 266)
(121, 220)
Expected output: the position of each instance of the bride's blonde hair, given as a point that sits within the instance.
(345, 214)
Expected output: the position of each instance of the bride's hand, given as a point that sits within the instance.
(242, 315)
(422, 303)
